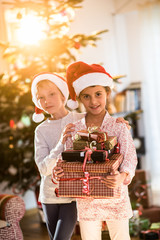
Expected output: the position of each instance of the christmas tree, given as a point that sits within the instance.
(53, 51)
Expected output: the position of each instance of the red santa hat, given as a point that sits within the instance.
(60, 82)
(81, 75)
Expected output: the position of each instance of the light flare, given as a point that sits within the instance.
(31, 30)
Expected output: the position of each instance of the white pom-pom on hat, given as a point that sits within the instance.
(72, 104)
(38, 116)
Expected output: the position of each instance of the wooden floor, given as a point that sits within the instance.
(34, 229)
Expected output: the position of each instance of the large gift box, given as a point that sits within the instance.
(84, 180)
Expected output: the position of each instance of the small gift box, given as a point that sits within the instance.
(84, 180)
(149, 234)
(91, 135)
(106, 145)
(79, 155)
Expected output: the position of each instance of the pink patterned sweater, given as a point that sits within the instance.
(110, 209)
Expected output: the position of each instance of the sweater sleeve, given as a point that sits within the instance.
(44, 158)
(128, 150)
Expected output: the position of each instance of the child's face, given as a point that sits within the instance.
(94, 99)
(49, 97)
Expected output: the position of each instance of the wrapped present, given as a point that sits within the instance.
(84, 179)
(79, 155)
(92, 134)
(140, 189)
(106, 145)
(149, 234)
(155, 226)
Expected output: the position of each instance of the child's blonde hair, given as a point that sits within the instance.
(45, 82)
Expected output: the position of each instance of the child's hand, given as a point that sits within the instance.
(122, 120)
(57, 173)
(67, 132)
(113, 180)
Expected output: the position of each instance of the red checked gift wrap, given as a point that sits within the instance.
(84, 179)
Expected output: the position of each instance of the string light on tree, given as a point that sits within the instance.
(26, 120)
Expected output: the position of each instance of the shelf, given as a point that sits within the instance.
(128, 100)
(123, 114)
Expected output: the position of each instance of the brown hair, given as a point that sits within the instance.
(108, 91)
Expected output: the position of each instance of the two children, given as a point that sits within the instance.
(92, 84)
(50, 94)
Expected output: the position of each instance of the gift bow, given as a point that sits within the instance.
(91, 134)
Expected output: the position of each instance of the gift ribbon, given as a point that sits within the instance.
(87, 157)
(86, 187)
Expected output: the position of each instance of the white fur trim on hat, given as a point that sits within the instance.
(72, 104)
(59, 82)
(92, 79)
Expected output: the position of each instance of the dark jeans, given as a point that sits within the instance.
(60, 220)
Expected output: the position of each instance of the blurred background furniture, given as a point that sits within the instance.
(12, 209)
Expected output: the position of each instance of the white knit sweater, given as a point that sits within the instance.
(47, 149)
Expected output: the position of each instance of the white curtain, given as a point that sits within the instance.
(150, 46)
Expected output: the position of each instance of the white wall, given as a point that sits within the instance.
(96, 16)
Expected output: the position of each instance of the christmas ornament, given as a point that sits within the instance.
(12, 170)
(11, 123)
(26, 120)
(77, 45)
(20, 125)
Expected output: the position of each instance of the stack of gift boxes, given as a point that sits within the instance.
(94, 156)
